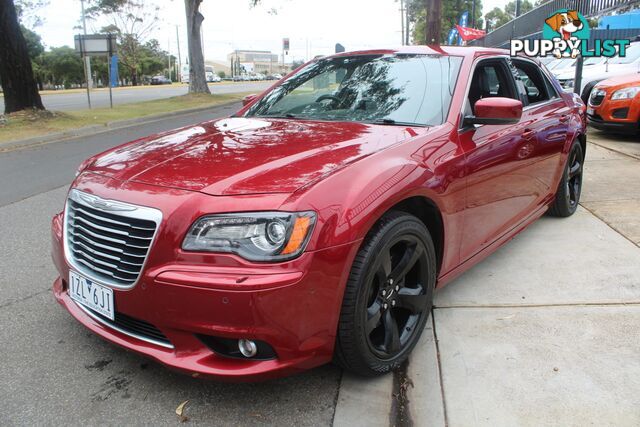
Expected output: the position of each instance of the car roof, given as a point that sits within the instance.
(470, 51)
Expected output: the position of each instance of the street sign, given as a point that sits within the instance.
(98, 45)
(95, 44)
(285, 44)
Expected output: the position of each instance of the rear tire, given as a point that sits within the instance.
(388, 297)
(570, 187)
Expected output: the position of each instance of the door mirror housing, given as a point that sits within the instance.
(495, 111)
(247, 99)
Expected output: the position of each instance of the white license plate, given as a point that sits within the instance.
(90, 294)
(590, 111)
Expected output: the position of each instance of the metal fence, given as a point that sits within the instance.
(530, 24)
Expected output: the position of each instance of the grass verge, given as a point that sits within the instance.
(28, 124)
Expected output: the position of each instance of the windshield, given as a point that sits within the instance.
(387, 89)
(632, 54)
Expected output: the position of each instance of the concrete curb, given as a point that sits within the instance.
(364, 402)
(97, 129)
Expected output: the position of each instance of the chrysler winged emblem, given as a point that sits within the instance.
(105, 205)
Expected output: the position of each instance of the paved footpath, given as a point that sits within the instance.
(546, 331)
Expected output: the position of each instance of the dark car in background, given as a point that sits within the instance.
(160, 80)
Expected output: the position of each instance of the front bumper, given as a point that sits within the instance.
(621, 116)
(617, 126)
(292, 306)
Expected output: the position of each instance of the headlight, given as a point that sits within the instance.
(626, 93)
(260, 236)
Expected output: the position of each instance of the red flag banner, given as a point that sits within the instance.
(470, 33)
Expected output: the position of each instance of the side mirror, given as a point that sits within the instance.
(495, 111)
(247, 99)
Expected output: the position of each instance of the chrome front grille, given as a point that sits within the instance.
(107, 240)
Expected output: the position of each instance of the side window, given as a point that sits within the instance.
(533, 84)
(490, 79)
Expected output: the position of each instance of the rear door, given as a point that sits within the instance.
(547, 116)
(503, 186)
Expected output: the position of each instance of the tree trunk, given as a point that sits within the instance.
(433, 24)
(18, 83)
(197, 77)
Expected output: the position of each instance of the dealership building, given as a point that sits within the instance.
(254, 61)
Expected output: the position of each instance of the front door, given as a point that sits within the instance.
(502, 188)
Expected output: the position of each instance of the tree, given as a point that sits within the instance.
(496, 18)
(63, 66)
(16, 72)
(450, 15)
(132, 22)
(197, 76)
(499, 17)
(433, 30)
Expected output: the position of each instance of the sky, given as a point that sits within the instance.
(313, 27)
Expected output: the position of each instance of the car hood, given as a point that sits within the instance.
(246, 155)
(597, 72)
(625, 80)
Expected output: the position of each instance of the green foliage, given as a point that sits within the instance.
(62, 66)
(498, 17)
(131, 21)
(451, 12)
(34, 42)
(222, 74)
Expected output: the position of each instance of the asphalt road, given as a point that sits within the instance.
(55, 372)
(100, 98)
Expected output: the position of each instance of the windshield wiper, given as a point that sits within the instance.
(279, 116)
(394, 123)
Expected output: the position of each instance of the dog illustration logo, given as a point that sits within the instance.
(565, 33)
(567, 25)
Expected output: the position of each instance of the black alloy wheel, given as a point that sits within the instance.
(388, 297)
(568, 194)
(574, 177)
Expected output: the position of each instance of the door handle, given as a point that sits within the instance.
(528, 134)
(564, 118)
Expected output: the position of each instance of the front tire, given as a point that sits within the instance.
(568, 194)
(388, 297)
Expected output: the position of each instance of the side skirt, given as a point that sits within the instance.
(466, 265)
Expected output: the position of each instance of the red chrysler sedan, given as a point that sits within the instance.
(315, 223)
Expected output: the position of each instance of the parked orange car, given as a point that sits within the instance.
(614, 104)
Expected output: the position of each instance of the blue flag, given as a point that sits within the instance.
(464, 19)
(114, 71)
(452, 35)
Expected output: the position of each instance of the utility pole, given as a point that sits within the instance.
(87, 60)
(517, 8)
(406, 26)
(179, 73)
(402, 21)
(433, 25)
(169, 56)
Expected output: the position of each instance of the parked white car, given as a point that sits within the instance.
(593, 74)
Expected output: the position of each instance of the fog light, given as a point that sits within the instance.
(247, 347)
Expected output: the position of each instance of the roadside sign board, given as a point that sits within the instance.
(95, 44)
